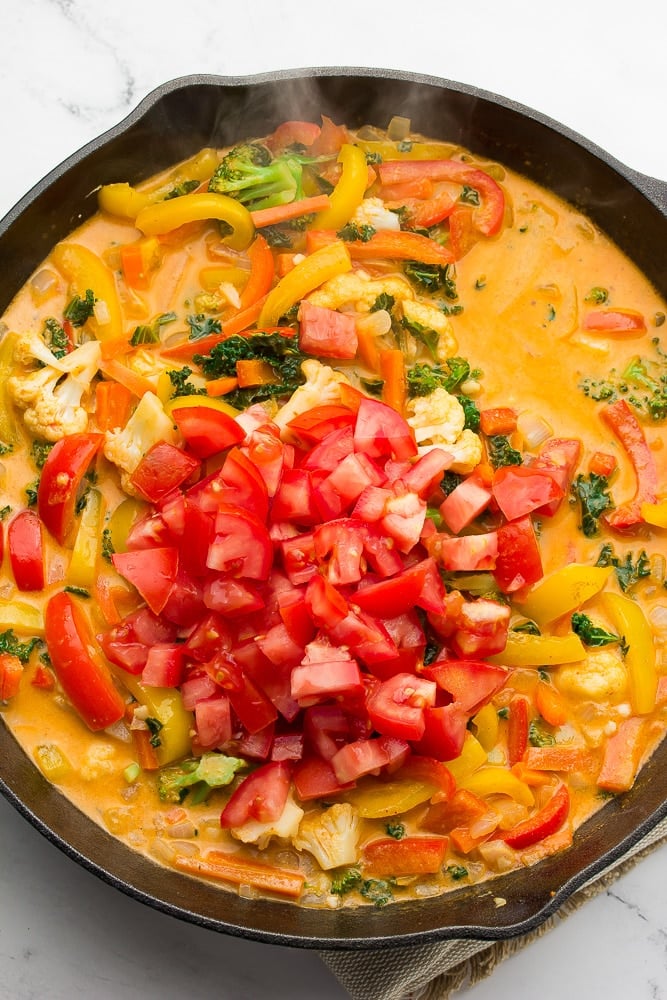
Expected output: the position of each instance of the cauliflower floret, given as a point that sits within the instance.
(30, 347)
(601, 677)
(438, 421)
(433, 318)
(320, 388)
(285, 827)
(98, 761)
(372, 212)
(145, 363)
(147, 425)
(330, 836)
(358, 289)
(51, 396)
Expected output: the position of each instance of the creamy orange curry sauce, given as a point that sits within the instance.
(334, 507)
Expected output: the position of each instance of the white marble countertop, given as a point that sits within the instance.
(69, 69)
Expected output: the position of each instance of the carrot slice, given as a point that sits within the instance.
(283, 213)
(556, 758)
(237, 324)
(392, 370)
(254, 372)
(136, 384)
(146, 755)
(112, 405)
(221, 386)
(550, 704)
(232, 868)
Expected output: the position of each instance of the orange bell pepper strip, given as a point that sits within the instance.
(165, 216)
(461, 810)
(328, 262)
(137, 260)
(232, 868)
(11, 672)
(622, 756)
(262, 269)
(294, 209)
(548, 820)
(392, 370)
(221, 386)
(603, 464)
(348, 192)
(410, 856)
(550, 704)
(396, 245)
(112, 405)
(621, 420)
(84, 270)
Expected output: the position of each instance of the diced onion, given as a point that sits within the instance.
(658, 618)
(43, 282)
(533, 428)
(377, 324)
(398, 128)
(185, 829)
(658, 567)
(101, 310)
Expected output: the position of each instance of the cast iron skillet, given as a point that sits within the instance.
(172, 123)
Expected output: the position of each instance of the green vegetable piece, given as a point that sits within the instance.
(254, 177)
(457, 872)
(211, 770)
(79, 310)
(345, 882)
(185, 187)
(55, 338)
(629, 570)
(395, 830)
(39, 452)
(9, 643)
(594, 499)
(539, 737)
(591, 634)
(502, 453)
(179, 380)
(377, 891)
(202, 326)
(353, 231)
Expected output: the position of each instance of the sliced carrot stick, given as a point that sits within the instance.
(237, 324)
(283, 213)
(262, 270)
(254, 372)
(367, 347)
(112, 405)
(136, 384)
(529, 776)
(557, 758)
(146, 755)
(392, 370)
(232, 868)
(221, 386)
(498, 420)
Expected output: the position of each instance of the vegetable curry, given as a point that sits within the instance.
(333, 517)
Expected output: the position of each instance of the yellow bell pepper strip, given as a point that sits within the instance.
(21, 617)
(564, 591)
(655, 514)
(81, 571)
(126, 514)
(348, 193)
(52, 762)
(417, 151)
(472, 757)
(214, 275)
(486, 726)
(180, 402)
(122, 200)
(84, 270)
(155, 220)
(7, 421)
(378, 799)
(526, 650)
(308, 275)
(630, 621)
(497, 781)
(166, 706)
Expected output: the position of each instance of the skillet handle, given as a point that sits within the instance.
(653, 188)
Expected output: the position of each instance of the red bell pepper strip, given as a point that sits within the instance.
(622, 421)
(64, 469)
(262, 270)
(82, 672)
(620, 321)
(385, 243)
(26, 555)
(548, 820)
(487, 217)
(517, 729)
(410, 856)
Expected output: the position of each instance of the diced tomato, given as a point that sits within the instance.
(326, 333)
(60, 481)
(267, 453)
(317, 680)
(426, 473)
(213, 720)
(396, 706)
(315, 778)
(164, 665)
(471, 683)
(80, 669)
(381, 431)
(296, 616)
(465, 503)
(405, 514)
(231, 597)
(418, 586)
(163, 468)
(314, 425)
(239, 482)
(408, 637)
(345, 484)
(466, 552)
(260, 796)
(198, 686)
(291, 133)
(366, 636)
(271, 678)
(325, 604)
(361, 757)
(410, 856)
(253, 708)
(381, 554)
(26, 551)
(287, 746)
(293, 500)
(207, 431)
(519, 490)
(256, 746)
(210, 635)
(326, 728)
(151, 571)
(480, 628)
(444, 732)
(519, 562)
(241, 545)
(339, 545)
(560, 458)
(331, 450)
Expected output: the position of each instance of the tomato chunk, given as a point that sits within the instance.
(162, 469)
(327, 333)
(207, 431)
(261, 796)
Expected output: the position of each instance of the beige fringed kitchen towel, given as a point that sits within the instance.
(434, 971)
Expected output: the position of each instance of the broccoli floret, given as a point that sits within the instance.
(501, 452)
(251, 175)
(539, 737)
(377, 891)
(211, 770)
(10, 644)
(592, 494)
(395, 830)
(345, 882)
(457, 872)
(591, 634)
(185, 187)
